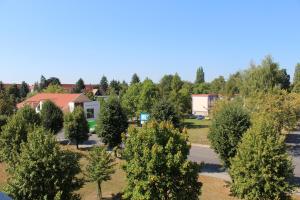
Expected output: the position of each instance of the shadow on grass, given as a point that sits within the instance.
(193, 125)
(211, 168)
(117, 196)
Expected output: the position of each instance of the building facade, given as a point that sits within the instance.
(203, 103)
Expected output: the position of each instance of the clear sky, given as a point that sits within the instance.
(70, 39)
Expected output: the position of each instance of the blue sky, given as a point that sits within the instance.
(72, 39)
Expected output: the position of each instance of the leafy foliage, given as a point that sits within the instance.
(100, 167)
(7, 105)
(43, 170)
(199, 76)
(24, 89)
(157, 166)
(148, 96)
(103, 85)
(51, 117)
(76, 126)
(130, 100)
(79, 86)
(112, 122)
(228, 126)
(135, 79)
(262, 168)
(54, 88)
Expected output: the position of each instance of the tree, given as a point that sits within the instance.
(217, 86)
(233, 84)
(164, 110)
(296, 81)
(130, 100)
(43, 170)
(75, 126)
(79, 86)
(202, 88)
(100, 167)
(228, 126)
(135, 79)
(148, 96)
(51, 116)
(24, 89)
(103, 85)
(164, 85)
(199, 76)
(2, 89)
(54, 88)
(157, 165)
(175, 97)
(112, 122)
(114, 87)
(262, 168)
(14, 133)
(7, 105)
(14, 92)
(43, 83)
(53, 81)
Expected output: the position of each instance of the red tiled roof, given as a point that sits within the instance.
(61, 100)
(203, 95)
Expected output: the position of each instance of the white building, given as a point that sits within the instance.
(202, 103)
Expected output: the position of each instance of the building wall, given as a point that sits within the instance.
(200, 105)
(89, 106)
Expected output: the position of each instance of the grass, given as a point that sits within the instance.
(198, 130)
(3, 176)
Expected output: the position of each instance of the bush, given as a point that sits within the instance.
(51, 117)
(157, 165)
(112, 122)
(262, 168)
(228, 126)
(76, 126)
(3, 121)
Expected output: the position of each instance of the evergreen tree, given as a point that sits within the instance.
(43, 170)
(296, 81)
(135, 79)
(199, 76)
(14, 92)
(103, 85)
(114, 87)
(79, 86)
(43, 83)
(100, 167)
(24, 89)
(76, 126)
(228, 126)
(157, 165)
(112, 122)
(7, 104)
(53, 81)
(262, 168)
(1, 87)
(51, 117)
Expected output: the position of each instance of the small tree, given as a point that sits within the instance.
(76, 126)
(112, 122)
(228, 126)
(135, 79)
(157, 165)
(79, 87)
(51, 116)
(262, 168)
(100, 167)
(43, 170)
(24, 89)
(103, 85)
(164, 110)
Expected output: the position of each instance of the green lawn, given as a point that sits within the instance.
(198, 130)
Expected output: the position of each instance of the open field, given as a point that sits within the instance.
(198, 130)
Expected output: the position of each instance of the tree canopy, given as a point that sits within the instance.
(51, 117)
(199, 76)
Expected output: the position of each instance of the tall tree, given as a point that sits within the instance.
(175, 97)
(130, 100)
(76, 126)
(7, 104)
(100, 167)
(51, 117)
(296, 81)
(103, 85)
(233, 84)
(43, 170)
(148, 96)
(262, 168)
(53, 81)
(217, 86)
(199, 76)
(135, 79)
(14, 92)
(165, 87)
(79, 86)
(43, 83)
(1, 87)
(114, 87)
(157, 165)
(228, 126)
(112, 122)
(24, 89)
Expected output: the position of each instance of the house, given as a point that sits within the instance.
(202, 103)
(66, 102)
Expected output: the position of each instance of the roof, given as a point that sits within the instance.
(69, 87)
(204, 95)
(61, 100)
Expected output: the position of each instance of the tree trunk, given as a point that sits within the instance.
(99, 191)
(77, 145)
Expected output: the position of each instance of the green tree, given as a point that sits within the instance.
(43, 170)
(148, 96)
(54, 88)
(103, 85)
(7, 105)
(76, 126)
(100, 167)
(43, 83)
(157, 165)
(114, 87)
(24, 89)
(164, 85)
(262, 168)
(228, 126)
(14, 133)
(175, 96)
(164, 110)
(217, 86)
(14, 92)
(53, 81)
(185, 99)
(51, 116)
(112, 122)
(202, 88)
(233, 84)
(130, 100)
(199, 76)
(135, 79)
(2, 89)
(79, 86)
(296, 81)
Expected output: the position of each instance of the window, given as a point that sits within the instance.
(90, 113)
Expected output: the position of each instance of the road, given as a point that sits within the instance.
(212, 166)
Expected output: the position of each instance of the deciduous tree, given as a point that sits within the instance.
(51, 117)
